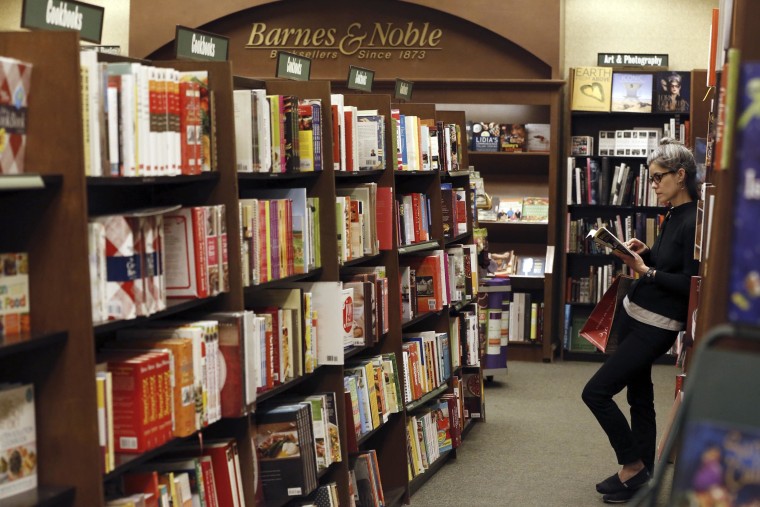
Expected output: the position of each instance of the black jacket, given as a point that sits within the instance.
(672, 255)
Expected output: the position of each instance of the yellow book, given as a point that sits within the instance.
(591, 89)
(278, 139)
(167, 479)
(369, 373)
(100, 382)
(268, 235)
(309, 356)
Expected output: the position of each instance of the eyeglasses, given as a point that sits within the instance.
(657, 177)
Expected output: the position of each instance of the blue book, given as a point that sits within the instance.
(744, 282)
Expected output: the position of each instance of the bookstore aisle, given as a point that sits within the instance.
(541, 446)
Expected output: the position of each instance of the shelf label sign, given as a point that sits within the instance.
(292, 66)
(64, 15)
(631, 60)
(360, 79)
(403, 90)
(191, 44)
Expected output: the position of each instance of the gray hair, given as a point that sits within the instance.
(673, 155)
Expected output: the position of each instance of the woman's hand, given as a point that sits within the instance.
(636, 263)
(636, 246)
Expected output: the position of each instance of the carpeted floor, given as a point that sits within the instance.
(540, 445)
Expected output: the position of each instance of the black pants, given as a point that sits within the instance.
(630, 366)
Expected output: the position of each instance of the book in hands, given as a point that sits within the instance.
(605, 238)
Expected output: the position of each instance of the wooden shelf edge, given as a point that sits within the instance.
(42, 496)
(277, 176)
(414, 405)
(394, 497)
(31, 342)
(173, 307)
(347, 175)
(279, 389)
(366, 436)
(418, 319)
(274, 283)
(457, 239)
(361, 260)
(413, 174)
(180, 179)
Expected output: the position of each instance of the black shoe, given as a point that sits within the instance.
(613, 484)
(619, 497)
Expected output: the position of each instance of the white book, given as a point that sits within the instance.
(242, 102)
(18, 439)
(89, 60)
(262, 123)
(337, 100)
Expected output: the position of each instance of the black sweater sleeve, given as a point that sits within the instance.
(680, 282)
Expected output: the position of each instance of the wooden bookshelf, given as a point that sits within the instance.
(42, 223)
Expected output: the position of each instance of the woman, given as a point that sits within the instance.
(655, 311)
(669, 98)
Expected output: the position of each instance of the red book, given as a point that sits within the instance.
(348, 122)
(209, 481)
(145, 483)
(419, 229)
(131, 408)
(351, 441)
(222, 457)
(454, 421)
(385, 219)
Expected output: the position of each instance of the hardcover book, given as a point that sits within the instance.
(537, 137)
(15, 82)
(535, 209)
(485, 137)
(18, 440)
(591, 89)
(14, 294)
(673, 91)
(512, 137)
(631, 93)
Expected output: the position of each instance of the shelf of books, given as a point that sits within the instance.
(231, 302)
(606, 178)
(512, 137)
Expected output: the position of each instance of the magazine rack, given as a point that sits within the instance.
(717, 390)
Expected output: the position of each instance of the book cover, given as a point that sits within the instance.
(280, 453)
(537, 137)
(673, 91)
(744, 280)
(18, 440)
(14, 294)
(512, 137)
(591, 89)
(631, 92)
(485, 137)
(719, 466)
(535, 209)
(15, 84)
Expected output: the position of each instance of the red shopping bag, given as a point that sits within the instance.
(598, 328)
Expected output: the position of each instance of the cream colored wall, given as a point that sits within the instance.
(678, 28)
(115, 22)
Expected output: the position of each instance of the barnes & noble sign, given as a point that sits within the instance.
(376, 41)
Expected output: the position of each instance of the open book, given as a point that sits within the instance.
(605, 238)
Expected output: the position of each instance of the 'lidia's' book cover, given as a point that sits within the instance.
(15, 82)
(18, 448)
(719, 464)
(591, 89)
(631, 93)
(744, 283)
(485, 136)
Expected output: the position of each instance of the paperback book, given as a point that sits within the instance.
(18, 448)
(603, 237)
